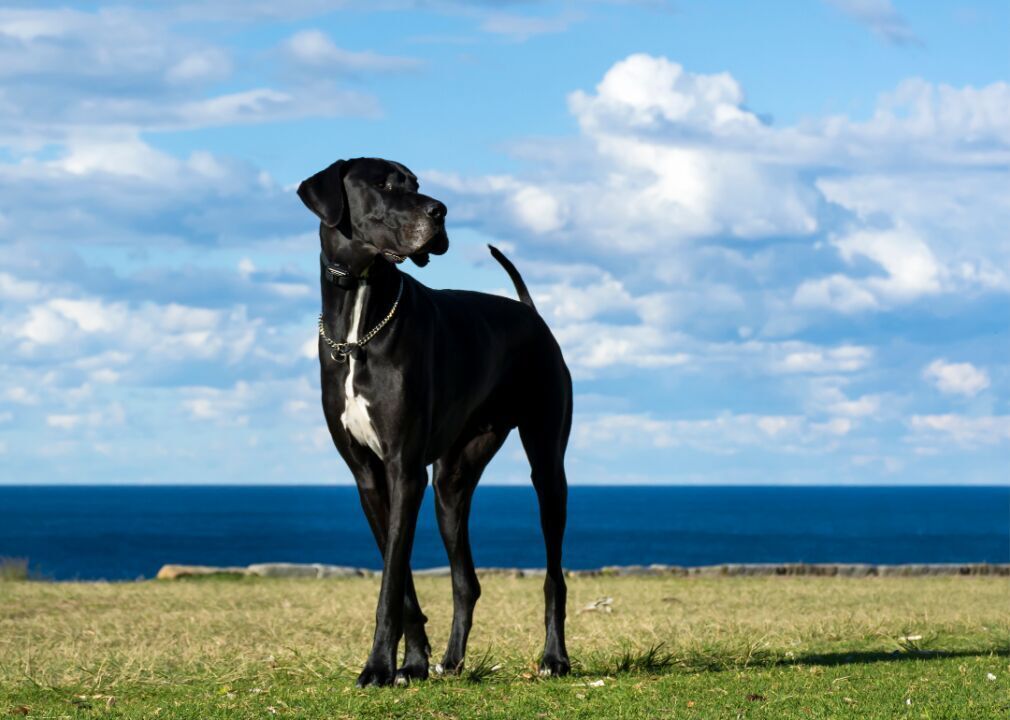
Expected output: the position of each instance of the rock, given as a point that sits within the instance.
(857, 570)
(174, 572)
(625, 570)
(499, 571)
(853, 570)
(304, 570)
(335, 571)
(284, 570)
(659, 569)
(532, 572)
(442, 571)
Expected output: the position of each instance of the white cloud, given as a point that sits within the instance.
(921, 124)
(664, 161)
(104, 375)
(315, 49)
(643, 91)
(726, 433)
(12, 288)
(64, 422)
(911, 268)
(111, 415)
(966, 431)
(21, 395)
(166, 332)
(590, 347)
(538, 210)
(246, 267)
(117, 153)
(669, 161)
(209, 64)
(835, 292)
(800, 358)
(829, 398)
(659, 128)
(520, 28)
(910, 272)
(961, 214)
(880, 17)
(956, 378)
(72, 72)
(222, 406)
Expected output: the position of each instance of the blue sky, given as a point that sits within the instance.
(772, 240)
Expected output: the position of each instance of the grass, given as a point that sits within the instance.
(926, 647)
(13, 569)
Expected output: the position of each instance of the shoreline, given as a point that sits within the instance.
(855, 570)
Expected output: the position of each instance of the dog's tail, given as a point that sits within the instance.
(517, 279)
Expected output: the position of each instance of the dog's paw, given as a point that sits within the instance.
(412, 671)
(449, 666)
(376, 675)
(555, 666)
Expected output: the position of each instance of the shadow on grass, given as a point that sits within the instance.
(655, 660)
(869, 656)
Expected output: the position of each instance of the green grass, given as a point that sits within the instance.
(13, 569)
(926, 647)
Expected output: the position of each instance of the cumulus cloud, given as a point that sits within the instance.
(909, 270)
(956, 378)
(649, 92)
(675, 180)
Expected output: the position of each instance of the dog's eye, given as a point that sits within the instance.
(384, 185)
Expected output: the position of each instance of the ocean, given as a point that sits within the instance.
(123, 533)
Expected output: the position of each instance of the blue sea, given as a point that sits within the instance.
(119, 533)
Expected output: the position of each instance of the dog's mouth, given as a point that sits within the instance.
(437, 244)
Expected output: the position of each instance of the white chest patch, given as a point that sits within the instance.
(355, 417)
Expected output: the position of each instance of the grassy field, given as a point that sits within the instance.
(927, 647)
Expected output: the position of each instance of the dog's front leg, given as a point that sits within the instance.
(375, 503)
(406, 490)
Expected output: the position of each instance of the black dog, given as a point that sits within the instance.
(412, 377)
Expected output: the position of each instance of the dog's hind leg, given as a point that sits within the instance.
(375, 502)
(545, 436)
(455, 478)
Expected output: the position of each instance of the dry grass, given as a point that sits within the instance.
(102, 635)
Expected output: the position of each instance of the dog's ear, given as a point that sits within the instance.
(324, 193)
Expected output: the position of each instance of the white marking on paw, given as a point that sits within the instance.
(402, 681)
(439, 670)
(355, 417)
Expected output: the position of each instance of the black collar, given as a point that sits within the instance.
(340, 274)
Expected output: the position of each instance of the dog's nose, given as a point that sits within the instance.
(435, 210)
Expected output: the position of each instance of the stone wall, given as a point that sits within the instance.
(317, 570)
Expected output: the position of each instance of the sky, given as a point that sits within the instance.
(771, 238)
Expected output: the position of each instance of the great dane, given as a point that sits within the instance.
(413, 377)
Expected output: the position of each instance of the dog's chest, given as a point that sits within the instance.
(355, 417)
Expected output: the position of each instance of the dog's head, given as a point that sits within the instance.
(375, 203)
